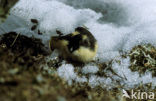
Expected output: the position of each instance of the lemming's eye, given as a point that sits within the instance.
(71, 49)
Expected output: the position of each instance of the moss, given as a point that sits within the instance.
(143, 59)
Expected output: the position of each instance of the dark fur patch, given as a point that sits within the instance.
(76, 41)
(91, 39)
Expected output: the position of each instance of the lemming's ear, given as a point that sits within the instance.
(51, 44)
(59, 32)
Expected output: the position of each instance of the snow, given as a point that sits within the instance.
(118, 25)
(53, 15)
(89, 69)
(66, 71)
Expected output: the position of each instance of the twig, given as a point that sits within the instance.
(124, 76)
(15, 40)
